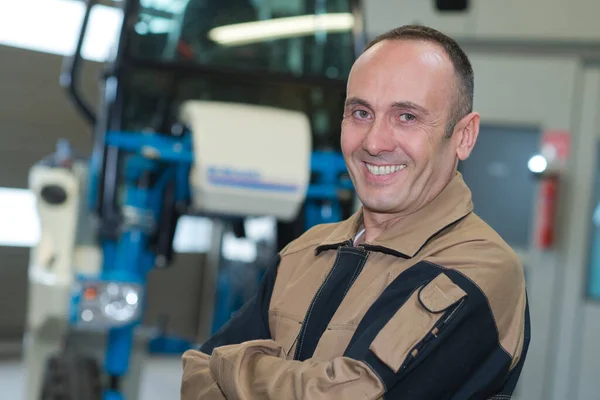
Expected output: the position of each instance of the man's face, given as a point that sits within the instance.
(399, 97)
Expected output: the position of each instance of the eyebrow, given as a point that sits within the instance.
(409, 105)
(405, 105)
(356, 101)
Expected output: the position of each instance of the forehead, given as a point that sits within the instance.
(403, 70)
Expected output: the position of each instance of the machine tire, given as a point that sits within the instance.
(72, 377)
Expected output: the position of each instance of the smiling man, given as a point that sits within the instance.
(414, 296)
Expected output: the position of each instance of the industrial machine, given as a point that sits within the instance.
(168, 142)
(67, 249)
(199, 168)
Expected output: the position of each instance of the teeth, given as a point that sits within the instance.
(384, 170)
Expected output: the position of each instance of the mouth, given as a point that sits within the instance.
(384, 170)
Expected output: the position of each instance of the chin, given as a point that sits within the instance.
(380, 205)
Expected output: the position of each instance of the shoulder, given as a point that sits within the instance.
(473, 247)
(474, 250)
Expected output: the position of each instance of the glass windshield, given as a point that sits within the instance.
(297, 37)
(152, 102)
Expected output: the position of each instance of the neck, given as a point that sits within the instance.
(376, 223)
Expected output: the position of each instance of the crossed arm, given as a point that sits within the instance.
(244, 363)
(258, 369)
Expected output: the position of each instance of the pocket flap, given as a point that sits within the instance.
(439, 294)
(414, 320)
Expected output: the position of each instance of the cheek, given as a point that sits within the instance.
(418, 150)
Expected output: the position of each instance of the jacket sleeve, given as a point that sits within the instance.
(442, 342)
(198, 382)
(249, 323)
(259, 370)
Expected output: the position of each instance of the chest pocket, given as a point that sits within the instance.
(284, 330)
(420, 319)
(334, 341)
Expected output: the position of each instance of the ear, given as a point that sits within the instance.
(465, 135)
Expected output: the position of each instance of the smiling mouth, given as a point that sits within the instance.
(384, 169)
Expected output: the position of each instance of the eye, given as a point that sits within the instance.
(406, 117)
(361, 114)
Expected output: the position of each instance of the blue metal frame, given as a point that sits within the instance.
(170, 160)
(323, 197)
(593, 283)
(155, 162)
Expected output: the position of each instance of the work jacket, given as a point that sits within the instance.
(433, 308)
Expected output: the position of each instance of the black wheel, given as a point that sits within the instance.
(72, 376)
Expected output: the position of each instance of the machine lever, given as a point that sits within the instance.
(70, 70)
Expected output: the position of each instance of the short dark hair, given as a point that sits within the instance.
(463, 102)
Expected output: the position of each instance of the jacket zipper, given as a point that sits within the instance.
(300, 337)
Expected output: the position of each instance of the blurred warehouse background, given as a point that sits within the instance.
(537, 87)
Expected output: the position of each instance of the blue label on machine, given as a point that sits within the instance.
(245, 179)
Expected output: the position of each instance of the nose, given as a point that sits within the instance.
(379, 139)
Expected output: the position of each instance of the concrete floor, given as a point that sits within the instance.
(161, 379)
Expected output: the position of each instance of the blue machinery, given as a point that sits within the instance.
(157, 162)
(322, 199)
(153, 169)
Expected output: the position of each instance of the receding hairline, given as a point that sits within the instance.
(434, 45)
(405, 39)
(462, 102)
(456, 82)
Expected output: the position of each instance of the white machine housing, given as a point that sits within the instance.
(60, 254)
(63, 251)
(248, 159)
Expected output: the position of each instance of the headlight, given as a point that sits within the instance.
(102, 304)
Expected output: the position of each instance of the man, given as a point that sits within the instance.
(414, 296)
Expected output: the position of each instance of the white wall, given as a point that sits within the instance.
(572, 20)
(574, 317)
(516, 89)
(575, 20)
(525, 90)
(381, 15)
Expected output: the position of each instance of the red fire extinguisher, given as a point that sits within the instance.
(549, 167)
(546, 211)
